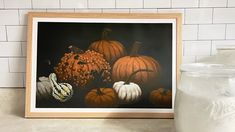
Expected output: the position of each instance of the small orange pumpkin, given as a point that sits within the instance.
(111, 49)
(101, 97)
(125, 66)
(76, 67)
(161, 97)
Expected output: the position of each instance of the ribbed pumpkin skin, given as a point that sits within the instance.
(161, 97)
(107, 98)
(112, 50)
(77, 68)
(125, 66)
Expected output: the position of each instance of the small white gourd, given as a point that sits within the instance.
(60, 91)
(43, 89)
(128, 92)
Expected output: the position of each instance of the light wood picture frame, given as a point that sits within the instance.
(72, 72)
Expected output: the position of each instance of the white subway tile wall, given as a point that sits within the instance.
(73, 3)
(101, 3)
(3, 36)
(61, 10)
(220, 42)
(213, 3)
(189, 32)
(224, 15)
(185, 3)
(10, 49)
(157, 3)
(206, 23)
(129, 4)
(17, 4)
(4, 63)
(16, 33)
(45, 3)
(230, 31)
(198, 16)
(116, 10)
(209, 32)
(1, 4)
(231, 3)
(88, 10)
(143, 10)
(9, 17)
(17, 64)
(197, 48)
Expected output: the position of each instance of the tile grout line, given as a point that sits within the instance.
(143, 4)
(31, 4)
(211, 49)
(233, 7)
(21, 48)
(87, 1)
(22, 57)
(8, 65)
(19, 16)
(6, 33)
(199, 2)
(198, 32)
(213, 15)
(115, 6)
(227, 4)
(225, 36)
(4, 4)
(59, 4)
(171, 4)
(184, 16)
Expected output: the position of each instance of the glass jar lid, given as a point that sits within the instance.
(202, 69)
(225, 47)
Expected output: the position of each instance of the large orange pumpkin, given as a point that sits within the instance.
(111, 49)
(101, 97)
(125, 66)
(76, 67)
(161, 97)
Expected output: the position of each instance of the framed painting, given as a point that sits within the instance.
(102, 65)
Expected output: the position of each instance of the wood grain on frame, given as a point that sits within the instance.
(31, 15)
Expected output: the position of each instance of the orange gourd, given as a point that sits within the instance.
(161, 97)
(101, 97)
(111, 49)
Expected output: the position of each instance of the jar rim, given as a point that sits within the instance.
(225, 47)
(208, 69)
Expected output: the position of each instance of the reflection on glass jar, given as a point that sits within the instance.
(205, 99)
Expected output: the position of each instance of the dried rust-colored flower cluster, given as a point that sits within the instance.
(77, 68)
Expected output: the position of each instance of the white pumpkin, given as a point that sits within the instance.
(60, 91)
(127, 93)
(44, 88)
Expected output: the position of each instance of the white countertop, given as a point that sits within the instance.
(12, 120)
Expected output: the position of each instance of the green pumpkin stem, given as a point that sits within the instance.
(135, 72)
(105, 33)
(76, 50)
(135, 49)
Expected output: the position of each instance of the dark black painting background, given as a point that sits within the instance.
(54, 39)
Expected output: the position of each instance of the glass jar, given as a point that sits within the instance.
(225, 55)
(205, 99)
